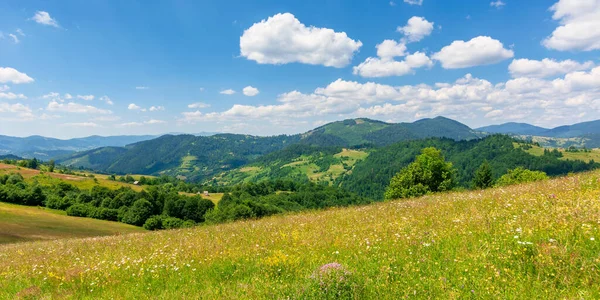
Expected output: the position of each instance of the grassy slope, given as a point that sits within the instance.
(78, 181)
(301, 166)
(22, 223)
(536, 240)
(584, 156)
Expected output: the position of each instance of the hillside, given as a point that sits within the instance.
(521, 242)
(22, 223)
(514, 128)
(202, 158)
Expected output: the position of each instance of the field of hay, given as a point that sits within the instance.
(24, 223)
(539, 240)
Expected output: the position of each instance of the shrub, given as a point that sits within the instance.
(172, 222)
(428, 173)
(78, 210)
(153, 223)
(520, 175)
(483, 177)
(138, 213)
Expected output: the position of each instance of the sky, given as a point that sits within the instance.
(71, 68)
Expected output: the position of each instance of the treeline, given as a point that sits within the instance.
(123, 205)
(371, 177)
(256, 200)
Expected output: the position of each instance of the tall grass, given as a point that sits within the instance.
(539, 240)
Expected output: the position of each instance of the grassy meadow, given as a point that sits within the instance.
(538, 240)
(25, 223)
(583, 156)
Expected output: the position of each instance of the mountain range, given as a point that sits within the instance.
(567, 131)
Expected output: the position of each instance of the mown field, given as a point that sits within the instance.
(23, 223)
(537, 240)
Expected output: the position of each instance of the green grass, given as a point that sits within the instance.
(584, 156)
(538, 240)
(23, 223)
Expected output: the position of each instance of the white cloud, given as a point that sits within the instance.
(414, 2)
(157, 108)
(390, 49)
(149, 122)
(497, 4)
(198, 105)
(13, 76)
(4, 88)
(73, 107)
(68, 96)
(82, 124)
(132, 106)
(546, 67)
(392, 3)
(14, 37)
(105, 99)
(106, 118)
(282, 39)
(416, 29)
(86, 97)
(481, 50)
(20, 32)
(250, 91)
(579, 26)
(227, 92)
(141, 87)
(11, 96)
(17, 109)
(153, 121)
(376, 67)
(42, 17)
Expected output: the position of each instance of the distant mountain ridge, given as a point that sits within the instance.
(567, 131)
(202, 157)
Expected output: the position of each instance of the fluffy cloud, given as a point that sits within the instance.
(376, 67)
(86, 97)
(42, 17)
(227, 92)
(149, 122)
(4, 88)
(414, 2)
(547, 101)
(481, 50)
(103, 98)
(156, 108)
(283, 39)
(497, 4)
(68, 96)
(389, 49)
(141, 87)
(132, 106)
(580, 26)
(250, 91)
(14, 38)
(11, 96)
(198, 105)
(10, 75)
(17, 109)
(73, 107)
(546, 67)
(416, 29)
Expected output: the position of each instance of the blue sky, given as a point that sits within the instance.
(77, 68)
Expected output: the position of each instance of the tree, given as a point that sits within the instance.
(429, 173)
(51, 165)
(33, 164)
(138, 213)
(483, 177)
(520, 175)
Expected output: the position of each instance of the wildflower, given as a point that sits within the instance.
(592, 239)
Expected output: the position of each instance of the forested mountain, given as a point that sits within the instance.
(46, 148)
(202, 157)
(568, 131)
(514, 128)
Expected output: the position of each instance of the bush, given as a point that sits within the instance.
(56, 202)
(78, 210)
(483, 177)
(427, 174)
(138, 213)
(520, 175)
(172, 223)
(103, 213)
(153, 223)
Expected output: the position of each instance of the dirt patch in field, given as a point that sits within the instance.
(5, 166)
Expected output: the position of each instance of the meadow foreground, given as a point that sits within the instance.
(539, 240)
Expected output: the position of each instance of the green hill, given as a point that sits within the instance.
(527, 241)
(203, 157)
(23, 223)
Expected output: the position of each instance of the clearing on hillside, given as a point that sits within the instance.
(538, 240)
(593, 154)
(25, 223)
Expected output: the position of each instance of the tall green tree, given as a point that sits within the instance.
(51, 165)
(483, 177)
(429, 173)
